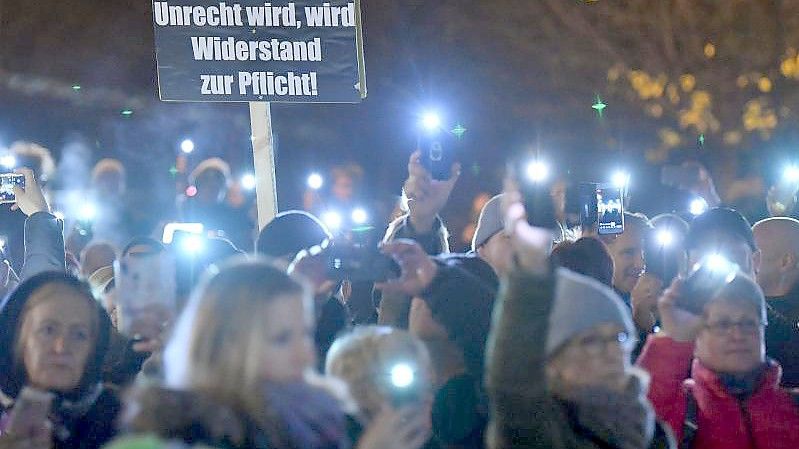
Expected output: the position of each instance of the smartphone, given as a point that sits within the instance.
(146, 294)
(438, 154)
(704, 282)
(610, 209)
(536, 196)
(30, 412)
(588, 197)
(171, 228)
(7, 183)
(680, 176)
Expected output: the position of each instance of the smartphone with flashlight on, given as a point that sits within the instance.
(438, 154)
(532, 178)
(403, 385)
(7, 183)
(705, 281)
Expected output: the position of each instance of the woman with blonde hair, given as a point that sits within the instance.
(239, 369)
(239, 357)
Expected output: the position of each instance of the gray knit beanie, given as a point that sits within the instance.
(490, 222)
(580, 304)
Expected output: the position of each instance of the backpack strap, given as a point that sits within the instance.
(690, 426)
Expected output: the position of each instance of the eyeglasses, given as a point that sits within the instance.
(596, 345)
(724, 327)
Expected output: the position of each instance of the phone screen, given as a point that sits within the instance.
(7, 183)
(610, 210)
(146, 286)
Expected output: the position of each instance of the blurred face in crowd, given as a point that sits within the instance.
(731, 340)
(211, 186)
(778, 242)
(734, 249)
(603, 351)
(110, 182)
(497, 251)
(56, 338)
(288, 350)
(343, 187)
(627, 251)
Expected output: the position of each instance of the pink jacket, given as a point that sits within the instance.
(769, 419)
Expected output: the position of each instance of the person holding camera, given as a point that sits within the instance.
(711, 380)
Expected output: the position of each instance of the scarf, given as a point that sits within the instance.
(624, 420)
(741, 386)
(312, 418)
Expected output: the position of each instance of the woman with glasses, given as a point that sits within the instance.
(558, 369)
(711, 380)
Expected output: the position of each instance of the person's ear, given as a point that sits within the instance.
(788, 262)
(757, 257)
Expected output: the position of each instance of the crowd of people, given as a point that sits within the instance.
(536, 338)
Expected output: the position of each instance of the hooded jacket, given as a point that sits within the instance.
(83, 418)
(766, 419)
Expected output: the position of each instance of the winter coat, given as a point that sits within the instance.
(782, 335)
(190, 418)
(82, 419)
(768, 419)
(44, 245)
(524, 412)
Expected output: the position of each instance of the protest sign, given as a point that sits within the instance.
(249, 50)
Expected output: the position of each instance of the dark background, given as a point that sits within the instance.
(519, 75)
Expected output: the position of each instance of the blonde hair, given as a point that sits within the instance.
(363, 360)
(215, 349)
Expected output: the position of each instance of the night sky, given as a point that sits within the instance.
(519, 75)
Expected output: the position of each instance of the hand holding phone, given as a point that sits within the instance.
(610, 210)
(705, 281)
(29, 417)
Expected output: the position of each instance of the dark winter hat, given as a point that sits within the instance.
(723, 221)
(464, 310)
(289, 233)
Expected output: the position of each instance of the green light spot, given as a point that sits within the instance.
(599, 106)
(459, 131)
(701, 140)
(173, 171)
(126, 112)
(76, 87)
